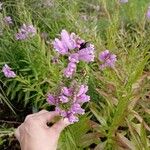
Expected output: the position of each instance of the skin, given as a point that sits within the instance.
(34, 134)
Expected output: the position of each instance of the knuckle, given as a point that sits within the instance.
(28, 117)
(43, 111)
(30, 120)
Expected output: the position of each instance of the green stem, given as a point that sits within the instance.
(119, 116)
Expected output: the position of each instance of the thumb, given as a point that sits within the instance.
(60, 125)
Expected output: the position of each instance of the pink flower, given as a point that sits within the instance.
(60, 47)
(107, 59)
(70, 70)
(82, 90)
(66, 91)
(77, 39)
(25, 32)
(8, 20)
(148, 13)
(64, 44)
(70, 102)
(74, 58)
(68, 40)
(8, 72)
(87, 54)
(63, 99)
(76, 109)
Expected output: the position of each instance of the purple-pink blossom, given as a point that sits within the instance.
(148, 13)
(123, 1)
(76, 109)
(74, 58)
(8, 20)
(67, 91)
(8, 72)
(25, 32)
(87, 54)
(51, 99)
(65, 43)
(68, 40)
(69, 101)
(75, 48)
(70, 70)
(63, 99)
(107, 59)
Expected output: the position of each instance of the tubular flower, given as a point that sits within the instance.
(64, 44)
(87, 54)
(75, 49)
(107, 59)
(8, 72)
(69, 102)
(70, 70)
(8, 20)
(25, 32)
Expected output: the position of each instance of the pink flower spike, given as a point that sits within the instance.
(66, 91)
(63, 99)
(70, 70)
(107, 59)
(68, 40)
(8, 20)
(74, 58)
(76, 109)
(87, 54)
(83, 89)
(8, 72)
(60, 47)
(51, 100)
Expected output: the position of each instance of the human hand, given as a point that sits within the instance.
(34, 134)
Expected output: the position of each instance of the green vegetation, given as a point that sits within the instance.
(118, 115)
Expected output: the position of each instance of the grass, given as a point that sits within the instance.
(118, 114)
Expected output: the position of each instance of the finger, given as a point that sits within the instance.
(17, 134)
(29, 116)
(42, 111)
(35, 114)
(60, 125)
(47, 116)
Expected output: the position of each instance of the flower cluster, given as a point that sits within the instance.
(8, 20)
(75, 48)
(68, 103)
(107, 59)
(8, 72)
(25, 32)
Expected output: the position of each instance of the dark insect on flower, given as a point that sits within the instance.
(84, 45)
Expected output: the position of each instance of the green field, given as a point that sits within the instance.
(118, 114)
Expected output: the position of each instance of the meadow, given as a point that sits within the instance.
(116, 110)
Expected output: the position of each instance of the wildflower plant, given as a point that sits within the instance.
(8, 20)
(25, 32)
(73, 47)
(69, 101)
(8, 72)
